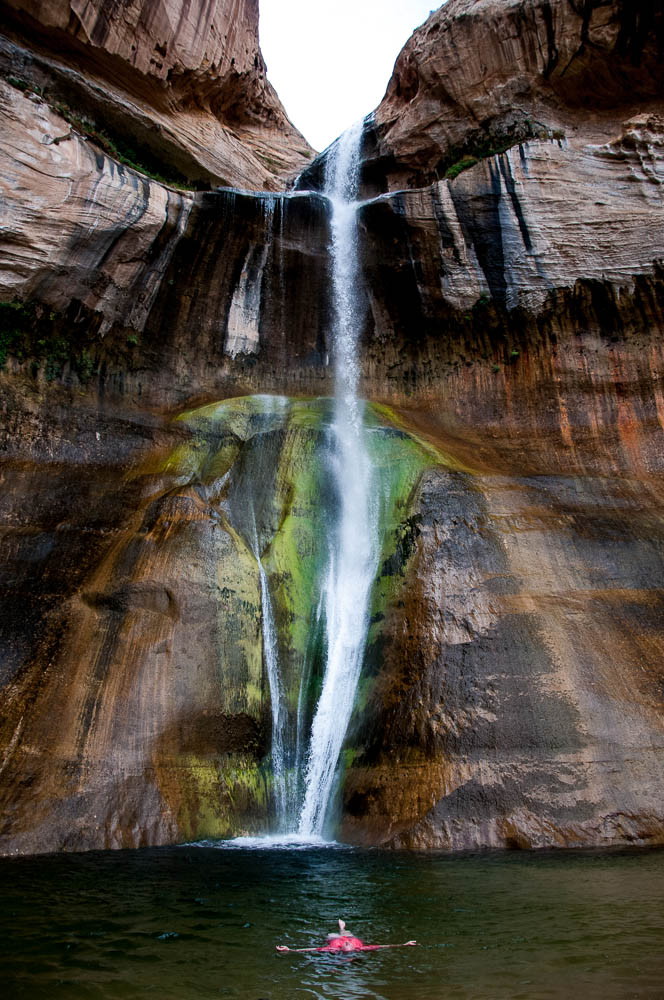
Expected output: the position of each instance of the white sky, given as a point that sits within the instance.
(330, 60)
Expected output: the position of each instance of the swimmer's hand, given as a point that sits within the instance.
(283, 947)
(409, 942)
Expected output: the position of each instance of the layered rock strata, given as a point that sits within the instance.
(183, 87)
(480, 74)
(453, 270)
(514, 313)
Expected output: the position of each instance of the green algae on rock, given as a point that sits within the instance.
(169, 690)
(273, 492)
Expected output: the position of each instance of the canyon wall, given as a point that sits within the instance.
(180, 89)
(512, 246)
(484, 74)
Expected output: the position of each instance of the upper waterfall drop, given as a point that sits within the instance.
(352, 539)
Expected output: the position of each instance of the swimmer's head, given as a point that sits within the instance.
(347, 944)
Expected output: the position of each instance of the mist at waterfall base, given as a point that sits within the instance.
(194, 923)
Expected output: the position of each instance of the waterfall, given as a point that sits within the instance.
(352, 541)
(271, 659)
(304, 768)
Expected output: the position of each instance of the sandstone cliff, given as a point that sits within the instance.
(514, 312)
(480, 75)
(180, 87)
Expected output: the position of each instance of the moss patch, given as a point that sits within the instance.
(460, 166)
(264, 464)
(484, 145)
(216, 798)
(33, 334)
(436, 455)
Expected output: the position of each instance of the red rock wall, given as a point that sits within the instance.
(514, 317)
(481, 71)
(157, 38)
(185, 82)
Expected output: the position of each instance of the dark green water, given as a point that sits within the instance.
(185, 923)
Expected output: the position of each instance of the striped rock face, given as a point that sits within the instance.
(167, 363)
(184, 84)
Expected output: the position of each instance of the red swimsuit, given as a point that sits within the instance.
(348, 943)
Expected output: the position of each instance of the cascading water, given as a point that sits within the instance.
(251, 518)
(353, 544)
(276, 698)
(304, 768)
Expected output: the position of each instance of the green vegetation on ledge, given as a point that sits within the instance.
(31, 333)
(127, 151)
(459, 167)
(48, 343)
(483, 146)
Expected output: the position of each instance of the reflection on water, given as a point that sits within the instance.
(197, 922)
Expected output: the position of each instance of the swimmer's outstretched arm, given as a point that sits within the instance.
(375, 947)
(284, 947)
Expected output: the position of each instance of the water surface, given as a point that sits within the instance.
(192, 922)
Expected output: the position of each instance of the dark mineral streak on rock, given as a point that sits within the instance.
(194, 101)
(513, 691)
(226, 228)
(506, 172)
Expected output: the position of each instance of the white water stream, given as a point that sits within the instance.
(271, 655)
(352, 541)
(253, 523)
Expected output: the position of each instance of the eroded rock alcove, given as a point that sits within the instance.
(511, 245)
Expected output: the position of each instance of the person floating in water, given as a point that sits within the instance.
(345, 941)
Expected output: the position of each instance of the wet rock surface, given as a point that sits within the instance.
(512, 725)
(514, 313)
